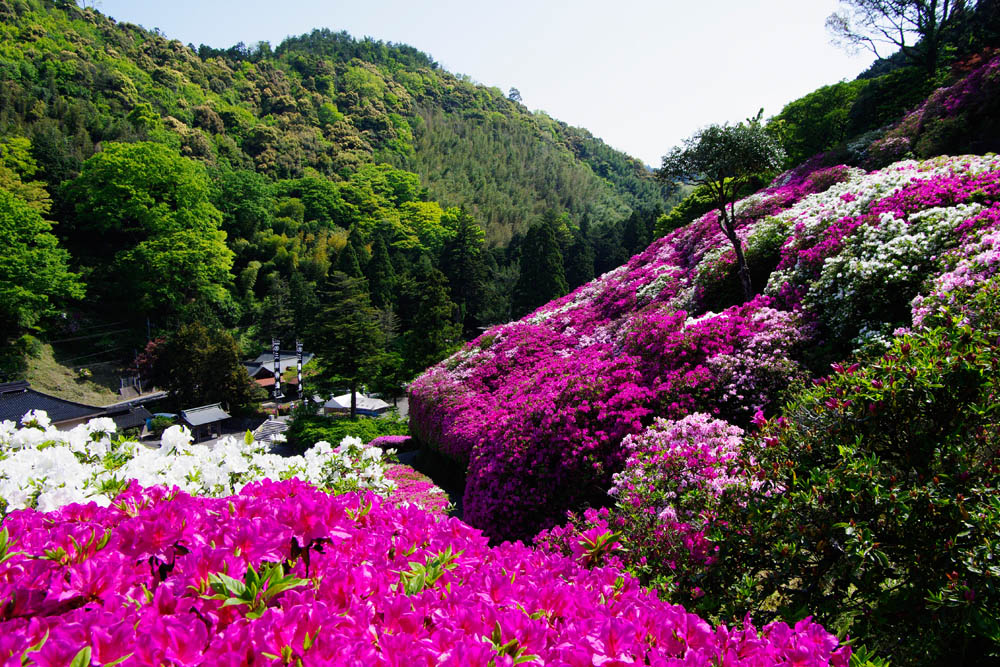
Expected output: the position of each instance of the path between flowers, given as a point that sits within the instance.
(440, 471)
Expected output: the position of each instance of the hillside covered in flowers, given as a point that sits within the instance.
(829, 446)
(539, 407)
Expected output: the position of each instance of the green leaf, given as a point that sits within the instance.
(81, 659)
(34, 648)
(5, 545)
(119, 660)
(862, 657)
(226, 585)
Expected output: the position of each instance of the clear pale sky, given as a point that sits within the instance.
(641, 75)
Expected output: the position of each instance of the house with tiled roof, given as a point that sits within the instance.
(205, 421)
(129, 416)
(18, 398)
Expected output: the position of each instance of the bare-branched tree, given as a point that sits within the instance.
(917, 28)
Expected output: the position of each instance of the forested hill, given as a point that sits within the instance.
(145, 184)
(73, 78)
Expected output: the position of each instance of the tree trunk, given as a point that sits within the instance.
(728, 224)
(354, 401)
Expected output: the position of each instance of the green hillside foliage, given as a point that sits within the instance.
(906, 452)
(498, 165)
(237, 178)
(846, 117)
(323, 101)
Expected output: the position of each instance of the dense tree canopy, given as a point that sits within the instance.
(199, 365)
(144, 211)
(134, 192)
(34, 278)
(225, 184)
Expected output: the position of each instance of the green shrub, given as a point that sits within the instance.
(716, 279)
(306, 430)
(884, 515)
(885, 99)
(159, 424)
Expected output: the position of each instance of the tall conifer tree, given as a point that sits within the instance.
(347, 262)
(580, 258)
(543, 276)
(346, 334)
(381, 275)
(463, 265)
(427, 313)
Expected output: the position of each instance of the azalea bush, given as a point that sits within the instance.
(859, 253)
(888, 521)
(46, 468)
(397, 442)
(967, 284)
(411, 486)
(666, 498)
(958, 118)
(538, 409)
(666, 504)
(285, 574)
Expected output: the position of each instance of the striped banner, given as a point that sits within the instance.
(298, 354)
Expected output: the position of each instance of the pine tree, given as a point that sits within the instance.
(381, 275)
(347, 262)
(635, 234)
(426, 312)
(501, 279)
(723, 158)
(346, 334)
(543, 276)
(462, 263)
(580, 257)
(608, 251)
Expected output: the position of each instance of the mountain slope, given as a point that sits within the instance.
(295, 154)
(72, 78)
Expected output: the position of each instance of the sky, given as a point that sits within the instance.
(641, 75)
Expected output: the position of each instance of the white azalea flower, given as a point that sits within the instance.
(47, 468)
(37, 418)
(175, 439)
(101, 426)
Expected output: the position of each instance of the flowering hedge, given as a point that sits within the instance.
(857, 254)
(538, 409)
(46, 468)
(414, 487)
(285, 574)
